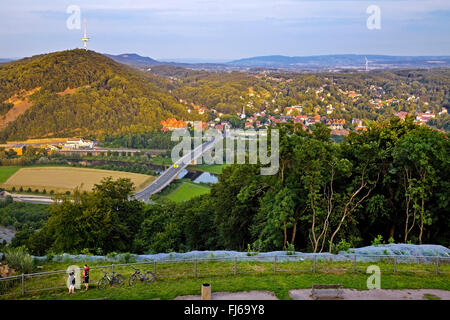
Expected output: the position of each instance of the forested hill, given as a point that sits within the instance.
(80, 92)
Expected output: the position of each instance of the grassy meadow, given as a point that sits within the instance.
(183, 278)
(187, 191)
(6, 172)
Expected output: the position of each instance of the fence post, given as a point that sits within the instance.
(235, 266)
(112, 268)
(275, 264)
(195, 268)
(154, 268)
(437, 265)
(354, 263)
(395, 264)
(314, 263)
(23, 284)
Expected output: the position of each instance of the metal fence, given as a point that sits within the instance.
(194, 268)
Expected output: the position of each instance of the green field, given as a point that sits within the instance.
(187, 191)
(6, 172)
(212, 168)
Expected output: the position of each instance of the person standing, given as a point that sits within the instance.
(72, 282)
(86, 276)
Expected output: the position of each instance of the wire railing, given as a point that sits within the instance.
(19, 285)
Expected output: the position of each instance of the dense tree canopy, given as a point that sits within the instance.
(392, 181)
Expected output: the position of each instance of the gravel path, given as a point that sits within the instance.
(245, 295)
(348, 294)
(378, 294)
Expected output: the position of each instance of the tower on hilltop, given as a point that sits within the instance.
(85, 39)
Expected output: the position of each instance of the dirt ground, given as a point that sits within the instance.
(245, 295)
(348, 294)
(67, 178)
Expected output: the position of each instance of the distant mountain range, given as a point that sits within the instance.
(341, 61)
(305, 63)
(141, 62)
(133, 59)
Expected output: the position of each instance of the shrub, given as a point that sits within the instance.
(86, 251)
(378, 240)
(19, 259)
(52, 192)
(127, 257)
(49, 256)
(29, 190)
(290, 249)
(21, 189)
(13, 189)
(111, 255)
(343, 246)
(252, 250)
(391, 240)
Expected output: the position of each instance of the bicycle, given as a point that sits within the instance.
(147, 277)
(112, 280)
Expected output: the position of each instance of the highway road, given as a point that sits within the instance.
(31, 198)
(170, 174)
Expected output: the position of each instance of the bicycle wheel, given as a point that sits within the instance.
(133, 279)
(102, 283)
(149, 277)
(120, 280)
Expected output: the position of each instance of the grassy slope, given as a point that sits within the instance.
(177, 279)
(279, 283)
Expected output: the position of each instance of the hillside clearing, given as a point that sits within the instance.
(21, 104)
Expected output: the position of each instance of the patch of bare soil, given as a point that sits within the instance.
(379, 294)
(21, 104)
(67, 91)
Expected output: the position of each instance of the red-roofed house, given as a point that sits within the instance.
(171, 124)
(336, 124)
(424, 117)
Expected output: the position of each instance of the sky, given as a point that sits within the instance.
(223, 30)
